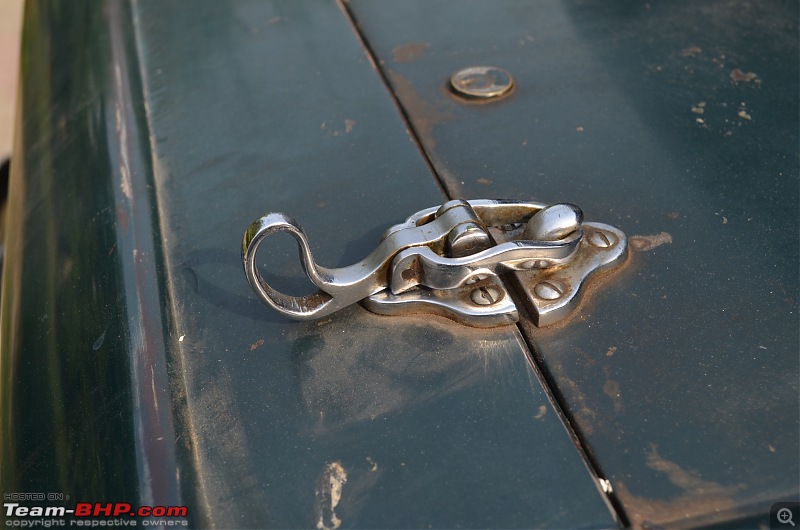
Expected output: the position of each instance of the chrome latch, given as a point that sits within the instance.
(452, 260)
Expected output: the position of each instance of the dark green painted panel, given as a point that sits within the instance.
(85, 405)
(258, 106)
(677, 120)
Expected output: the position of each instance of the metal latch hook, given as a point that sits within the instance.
(447, 260)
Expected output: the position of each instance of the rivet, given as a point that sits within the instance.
(548, 290)
(601, 239)
(486, 295)
(466, 239)
(481, 82)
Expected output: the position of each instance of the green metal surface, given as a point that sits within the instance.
(677, 122)
(82, 368)
(137, 365)
(269, 106)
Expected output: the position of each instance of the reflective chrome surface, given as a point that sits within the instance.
(481, 82)
(445, 261)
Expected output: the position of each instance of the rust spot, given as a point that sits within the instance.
(408, 53)
(413, 272)
(650, 513)
(611, 351)
(256, 344)
(485, 181)
(585, 415)
(702, 501)
(541, 413)
(738, 76)
(122, 217)
(423, 114)
(645, 243)
(691, 51)
(686, 480)
(673, 215)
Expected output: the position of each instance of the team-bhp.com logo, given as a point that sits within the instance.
(93, 514)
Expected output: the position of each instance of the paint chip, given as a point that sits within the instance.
(737, 76)
(645, 243)
(329, 494)
(700, 108)
(373, 466)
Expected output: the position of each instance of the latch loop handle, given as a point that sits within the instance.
(341, 287)
(299, 307)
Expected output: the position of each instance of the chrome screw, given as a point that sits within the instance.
(601, 239)
(548, 290)
(486, 295)
(481, 82)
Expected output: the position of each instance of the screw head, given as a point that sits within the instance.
(486, 295)
(481, 82)
(601, 239)
(549, 290)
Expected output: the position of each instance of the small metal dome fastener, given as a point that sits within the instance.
(481, 82)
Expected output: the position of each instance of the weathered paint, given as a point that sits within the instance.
(153, 134)
(676, 122)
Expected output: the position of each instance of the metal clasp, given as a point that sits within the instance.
(451, 261)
